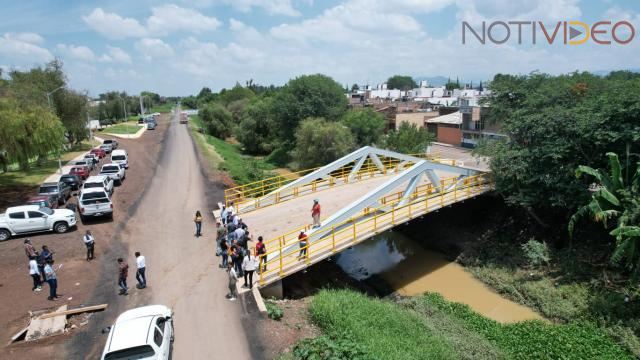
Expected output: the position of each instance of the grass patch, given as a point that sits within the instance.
(162, 108)
(36, 174)
(123, 129)
(243, 169)
(528, 339)
(571, 289)
(384, 330)
(430, 327)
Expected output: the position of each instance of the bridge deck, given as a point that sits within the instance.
(281, 218)
(289, 217)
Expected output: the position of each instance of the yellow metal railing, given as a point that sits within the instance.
(251, 194)
(368, 222)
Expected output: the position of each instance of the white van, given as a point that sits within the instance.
(120, 157)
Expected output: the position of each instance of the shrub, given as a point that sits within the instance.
(330, 348)
(536, 252)
(273, 311)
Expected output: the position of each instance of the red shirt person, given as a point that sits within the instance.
(315, 213)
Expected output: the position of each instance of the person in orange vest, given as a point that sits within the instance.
(304, 241)
(315, 213)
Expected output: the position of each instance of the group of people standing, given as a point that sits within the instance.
(232, 245)
(41, 269)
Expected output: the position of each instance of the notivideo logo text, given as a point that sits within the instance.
(562, 32)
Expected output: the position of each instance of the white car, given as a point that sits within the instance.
(141, 333)
(95, 202)
(33, 218)
(114, 171)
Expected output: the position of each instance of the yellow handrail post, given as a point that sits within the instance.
(261, 273)
(442, 193)
(333, 239)
(280, 260)
(375, 223)
(393, 215)
(409, 210)
(354, 230)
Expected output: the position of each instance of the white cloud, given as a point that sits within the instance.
(115, 54)
(113, 25)
(153, 48)
(31, 38)
(77, 52)
(552, 10)
(18, 51)
(170, 18)
(164, 20)
(271, 7)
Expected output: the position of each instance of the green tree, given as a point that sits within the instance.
(319, 142)
(235, 94)
(71, 107)
(256, 131)
(217, 120)
(409, 139)
(355, 87)
(189, 102)
(28, 132)
(306, 96)
(366, 124)
(555, 124)
(616, 196)
(401, 82)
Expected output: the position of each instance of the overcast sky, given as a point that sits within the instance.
(176, 48)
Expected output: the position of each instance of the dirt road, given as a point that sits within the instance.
(165, 185)
(182, 269)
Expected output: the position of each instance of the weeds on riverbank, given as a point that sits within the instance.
(576, 285)
(429, 327)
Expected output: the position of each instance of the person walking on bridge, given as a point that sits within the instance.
(315, 213)
(261, 254)
(304, 241)
(198, 221)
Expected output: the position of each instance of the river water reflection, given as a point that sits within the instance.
(410, 269)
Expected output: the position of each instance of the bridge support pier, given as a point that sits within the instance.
(273, 290)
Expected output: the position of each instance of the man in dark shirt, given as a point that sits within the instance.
(123, 271)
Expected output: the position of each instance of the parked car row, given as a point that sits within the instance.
(42, 212)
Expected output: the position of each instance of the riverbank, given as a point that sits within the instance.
(428, 327)
(487, 241)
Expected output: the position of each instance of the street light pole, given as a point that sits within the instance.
(51, 109)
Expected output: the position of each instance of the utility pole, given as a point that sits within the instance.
(51, 109)
(141, 105)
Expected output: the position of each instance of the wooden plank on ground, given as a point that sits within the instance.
(40, 328)
(66, 312)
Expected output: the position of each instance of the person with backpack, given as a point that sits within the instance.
(261, 254)
(198, 220)
(249, 264)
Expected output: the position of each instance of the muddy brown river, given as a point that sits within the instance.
(410, 269)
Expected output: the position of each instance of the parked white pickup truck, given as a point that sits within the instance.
(114, 171)
(33, 218)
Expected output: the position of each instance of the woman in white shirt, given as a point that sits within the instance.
(35, 274)
(249, 266)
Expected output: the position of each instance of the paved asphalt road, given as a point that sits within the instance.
(182, 269)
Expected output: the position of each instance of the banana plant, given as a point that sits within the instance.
(613, 199)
